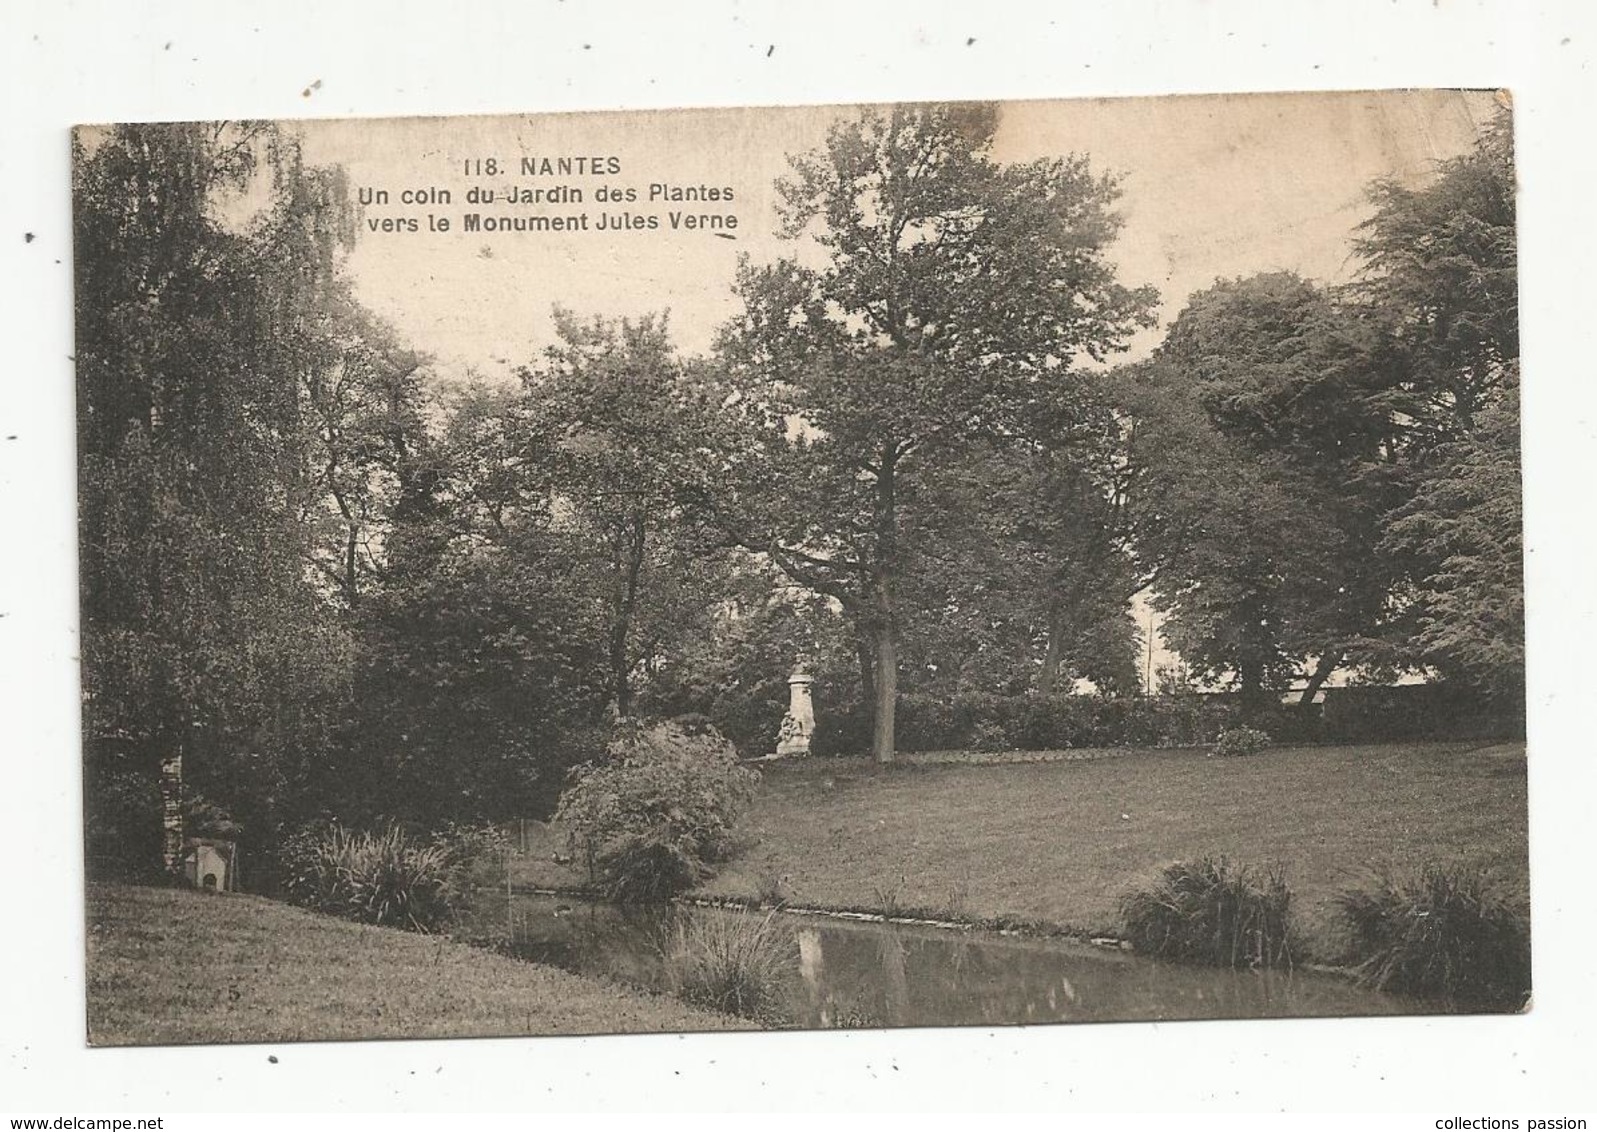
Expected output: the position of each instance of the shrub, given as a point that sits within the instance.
(986, 736)
(1448, 709)
(1189, 720)
(1056, 722)
(649, 867)
(1212, 911)
(1239, 741)
(655, 816)
(1292, 723)
(1446, 930)
(204, 818)
(384, 877)
(734, 962)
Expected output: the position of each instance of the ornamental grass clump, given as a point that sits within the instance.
(383, 877)
(734, 962)
(1212, 911)
(1452, 931)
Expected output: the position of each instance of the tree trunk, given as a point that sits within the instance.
(1250, 674)
(351, 565)
(621, 628)
(882, 739)
(620, 686)
(883, 620)
(1323, 668)
(1050, 661)
(867, 664)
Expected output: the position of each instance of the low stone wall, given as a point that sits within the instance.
(992, 758)
(970, 758)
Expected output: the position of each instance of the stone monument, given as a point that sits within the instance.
(799, 722)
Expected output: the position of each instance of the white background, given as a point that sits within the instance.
(79, 62)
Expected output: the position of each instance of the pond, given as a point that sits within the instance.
(845, 973)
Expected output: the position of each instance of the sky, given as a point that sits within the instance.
(1214, 186)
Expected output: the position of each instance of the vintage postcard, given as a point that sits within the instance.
(846, 566)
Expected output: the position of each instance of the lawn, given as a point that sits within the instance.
(168, 966)
(1061, 841)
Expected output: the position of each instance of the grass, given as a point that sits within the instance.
(168, 966)
(1061, 842)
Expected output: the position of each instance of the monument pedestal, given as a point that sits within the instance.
(799, 722)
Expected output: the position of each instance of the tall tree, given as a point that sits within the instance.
(368, 443)
(1467, 519)
(200, 634)
(627, 422)
(1362, 406)
(479, 669)
(949, 289)
(1069, 508)
(1440, 273)
(1231, 541)
(1297, 380)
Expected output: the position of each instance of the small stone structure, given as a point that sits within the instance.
(799, 722)
(211, 863)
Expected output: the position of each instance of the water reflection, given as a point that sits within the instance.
(849, 973)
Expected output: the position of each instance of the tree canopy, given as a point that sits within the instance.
(1345, 416)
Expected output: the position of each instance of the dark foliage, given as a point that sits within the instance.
(122, 822)
(649, 867)
(478, 683)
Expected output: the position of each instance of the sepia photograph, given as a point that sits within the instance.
(924, 564)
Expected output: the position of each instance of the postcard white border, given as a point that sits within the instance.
(81, 62)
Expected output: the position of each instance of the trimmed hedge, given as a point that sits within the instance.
(1033, 723)
(987, 722)
(1419, 711)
